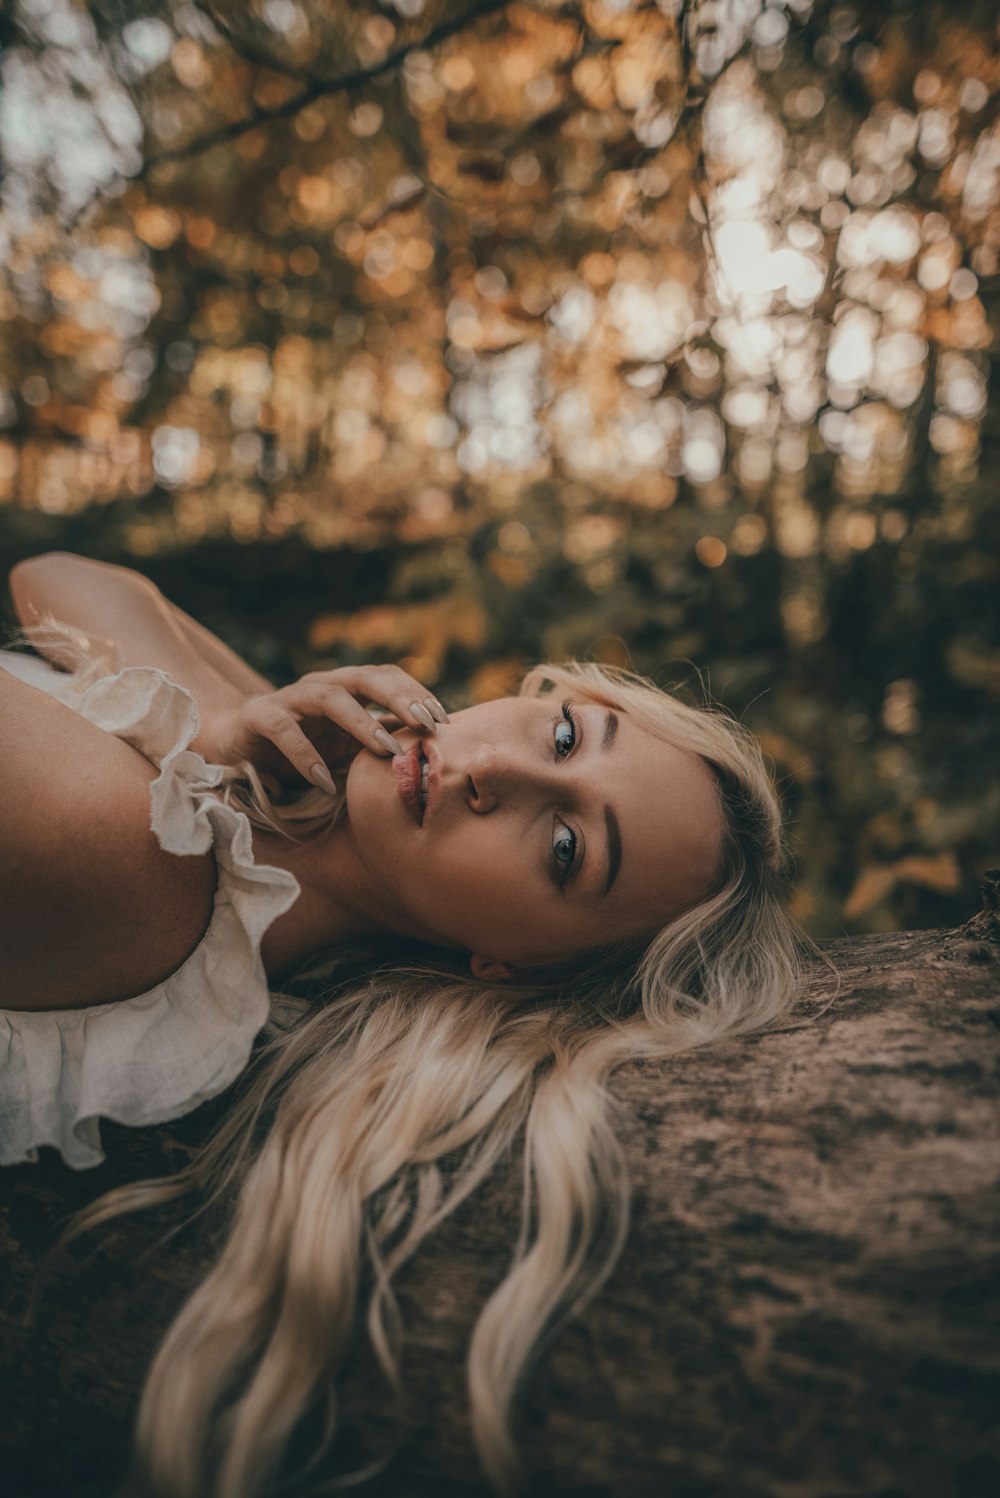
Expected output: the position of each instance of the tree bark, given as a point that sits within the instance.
(807, 1306)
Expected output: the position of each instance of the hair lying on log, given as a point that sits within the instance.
(369, 1117)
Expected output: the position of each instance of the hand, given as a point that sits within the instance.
(320, 719)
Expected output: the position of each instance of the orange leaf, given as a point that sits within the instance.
(872, 886)
(940, 872)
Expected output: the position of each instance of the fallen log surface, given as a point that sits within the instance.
(808, 1305)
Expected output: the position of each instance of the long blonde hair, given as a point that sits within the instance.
(334, 1147)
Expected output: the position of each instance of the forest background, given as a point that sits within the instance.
(473, 334)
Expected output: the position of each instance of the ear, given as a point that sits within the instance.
(490, 969)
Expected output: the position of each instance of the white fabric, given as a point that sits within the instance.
(152, 1058)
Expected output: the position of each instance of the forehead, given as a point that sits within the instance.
(666, 801)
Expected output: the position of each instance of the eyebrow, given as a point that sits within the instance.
(610, 820)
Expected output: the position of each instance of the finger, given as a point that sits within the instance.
(277, 725)
(339, 706)
(395, 689)
(321, 776)
(422, 715)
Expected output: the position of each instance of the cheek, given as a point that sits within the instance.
(476, 874)
(465, 867)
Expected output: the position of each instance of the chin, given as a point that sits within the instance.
(359, 777)
(370, 800)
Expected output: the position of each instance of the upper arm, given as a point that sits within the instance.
(98, 598)
(62, 583)
(91, 907)
(128, 609)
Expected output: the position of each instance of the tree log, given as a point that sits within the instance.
(807, 1306)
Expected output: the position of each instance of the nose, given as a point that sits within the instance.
(482, 780)
(494, 773)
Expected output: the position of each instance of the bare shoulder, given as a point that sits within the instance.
(91, 907)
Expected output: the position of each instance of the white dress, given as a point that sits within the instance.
(152, 1058)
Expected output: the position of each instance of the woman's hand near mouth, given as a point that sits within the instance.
(321, 720)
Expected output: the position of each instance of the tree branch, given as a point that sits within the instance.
(247, 49)
(321, 89)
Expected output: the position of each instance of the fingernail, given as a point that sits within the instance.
(321, 777)
(386, 741)
(422, 715)
(436, 710)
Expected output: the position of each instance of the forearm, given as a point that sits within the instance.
(145, 627)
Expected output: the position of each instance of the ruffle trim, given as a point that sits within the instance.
(152, 1058)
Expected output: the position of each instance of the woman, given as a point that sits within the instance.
(546, 886)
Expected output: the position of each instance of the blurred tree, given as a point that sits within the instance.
(473, 333)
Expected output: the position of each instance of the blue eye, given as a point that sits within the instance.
(564, 852)
(564, 742)
(564, 840)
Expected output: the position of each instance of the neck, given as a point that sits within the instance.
(334, 904)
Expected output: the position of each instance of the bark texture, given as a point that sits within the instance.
(807, 1307)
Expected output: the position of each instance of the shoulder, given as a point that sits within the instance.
(91, 907)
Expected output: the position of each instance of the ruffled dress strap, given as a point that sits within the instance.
(151, 1058)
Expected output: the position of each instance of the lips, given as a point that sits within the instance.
(406, 768)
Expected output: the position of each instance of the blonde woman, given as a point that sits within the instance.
(539, 888)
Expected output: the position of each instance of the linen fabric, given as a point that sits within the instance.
(151, 1058)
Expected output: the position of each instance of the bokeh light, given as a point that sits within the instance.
(568, 329)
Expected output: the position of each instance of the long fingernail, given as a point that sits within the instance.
(386, 741)
(436, 710)
(321, 777)
(422, 715)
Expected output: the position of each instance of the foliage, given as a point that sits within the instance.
(477, 333)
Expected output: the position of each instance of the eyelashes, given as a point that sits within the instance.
(567, 721)
(564, 852)
(564, 840)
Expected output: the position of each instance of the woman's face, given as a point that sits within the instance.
(547, 831)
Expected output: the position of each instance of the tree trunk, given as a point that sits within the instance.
(807, 1306)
